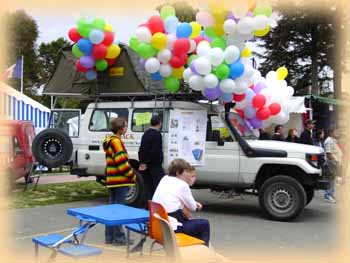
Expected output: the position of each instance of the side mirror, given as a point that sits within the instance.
(217, 138)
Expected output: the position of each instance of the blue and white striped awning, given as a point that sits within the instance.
(17, 106)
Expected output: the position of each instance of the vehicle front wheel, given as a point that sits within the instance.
(282, 198)
(310, 193)
(135, 195)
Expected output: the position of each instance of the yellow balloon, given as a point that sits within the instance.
(159, 40)
(177, 72)
(246, 52)
(109, 28)
(219, 28)
(282, 73)
(263, 32)
(196, 29)
(113, 51)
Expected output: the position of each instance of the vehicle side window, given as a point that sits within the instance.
(101, 117)
(16, 145)
(218, 125)
(141, 119)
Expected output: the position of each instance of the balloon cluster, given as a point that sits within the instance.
(94, 46)
(164, 43)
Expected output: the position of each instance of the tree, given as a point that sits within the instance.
(306, 42)
(184, 11)
(21, 34)
(48, 57)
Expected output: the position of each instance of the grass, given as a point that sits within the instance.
(59, 193)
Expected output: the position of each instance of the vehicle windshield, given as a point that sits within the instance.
(242, 126)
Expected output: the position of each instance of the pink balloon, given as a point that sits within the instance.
(258, 101)
(205, 19)
(275, 108)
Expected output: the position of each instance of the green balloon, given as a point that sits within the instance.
(219, 42)
(146, 50)
(76, 51)
(167, 11)
(191, 58)
(99, 23)
(134, 43)
(263, 10)
(82, 22)
(222, 71)
(172, 84)
(84, 30)
(209, 31)
(101, 65)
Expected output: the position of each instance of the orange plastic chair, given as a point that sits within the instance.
(155, 228)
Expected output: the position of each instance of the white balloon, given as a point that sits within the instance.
(192, 46)
(202, 65)
(227, 85)
(229, 26)
(261, 22)
(231, 54)
(203, 49)
(241, 104)
(170, 41)
(281, 118)
(233, 40)
(245, 25)
(187, 74)
(143, 34)
(164, 56)
(196, 83)
(165, 70)
(241, 86)
(216, 56)
(271, 76)
(289, 91)
(210, 81)
(152, 65)
(248, 71)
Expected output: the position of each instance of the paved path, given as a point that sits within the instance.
(58, 178)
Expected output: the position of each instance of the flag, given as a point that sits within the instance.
(15, 71)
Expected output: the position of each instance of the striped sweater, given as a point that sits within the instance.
(118, 170)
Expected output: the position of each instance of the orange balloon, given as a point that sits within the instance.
(251, 5)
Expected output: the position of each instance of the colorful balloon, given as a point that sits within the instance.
(79, 67)
(159, 40)
(222, 71)
(184, 30)
(258, 101)
(146, 50)
(99, 51)
(239, 97)
(76, 51)
(91, 74)
(275, 109)
(156, 25)
(181, 46)
(171, 24)
(236, 70)
(172, 84)
(167, 11)
(263, 113)
(282, 73)
(85, 46)
(96, 36)
(113, 51)
(108, 38)
(74, 35)
(101, 65)
(196, 29)
(99, 23)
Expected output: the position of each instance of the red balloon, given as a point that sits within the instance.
(74, 35)
(111, 61)
(79, 67)
(156, 24)
(238, 97)
(198, 39)
(176, 62)
(99, 51)
(275, 108)
(251, 86)
(181, 46)
(258, 101)
(109, 38)
(263, 113)
(240, 113)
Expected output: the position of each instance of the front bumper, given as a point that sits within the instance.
(322, 182)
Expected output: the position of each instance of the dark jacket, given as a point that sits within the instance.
(278, 137)
(264, 136)
(306, 137)
(292, 139)
(151, 148)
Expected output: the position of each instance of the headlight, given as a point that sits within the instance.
(313, 160)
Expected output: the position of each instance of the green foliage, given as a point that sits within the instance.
(184, 11)
(305, 42)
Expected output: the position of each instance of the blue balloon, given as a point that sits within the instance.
(85, 46)
(249, 94)
(96, 36)
(184, 30)
(170, 24)
(156, 76)
(225, 97)
(236, 70)
(249, 112)
(91, 74)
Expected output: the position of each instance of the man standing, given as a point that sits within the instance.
(278, 135)
(151, 157)
(306, 135)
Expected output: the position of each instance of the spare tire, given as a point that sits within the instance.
(52, 148)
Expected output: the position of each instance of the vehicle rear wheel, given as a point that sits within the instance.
(135, 195)
(282, 198)
(52, 148)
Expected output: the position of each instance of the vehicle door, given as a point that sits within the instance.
(221, 155)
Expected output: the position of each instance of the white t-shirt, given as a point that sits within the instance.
(331, 146)
(173, 194)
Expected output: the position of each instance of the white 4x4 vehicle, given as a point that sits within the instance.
(283, 175)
